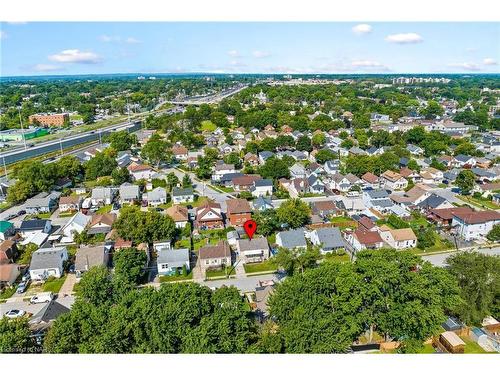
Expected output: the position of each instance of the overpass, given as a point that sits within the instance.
(209, 99)
(19, 154)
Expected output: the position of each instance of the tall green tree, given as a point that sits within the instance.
(465, 181)
(293, 212)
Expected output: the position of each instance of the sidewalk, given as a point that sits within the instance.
(67, 287)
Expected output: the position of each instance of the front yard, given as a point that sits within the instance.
(265, 266)
(219, 273)
(479, 202)
(167, 279)
(54, 285)
(104, 209)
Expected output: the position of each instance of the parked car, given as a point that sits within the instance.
(22, 212)
(26, 276)
(12, 314)
(11, 216)
(42, 297)
(21, 288)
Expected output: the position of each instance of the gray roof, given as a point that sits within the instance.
(262, 202)
(177, 192)
(483, 173)
(157, 194)
(462, 158)
(259, 243)
(330, 238)
(432, 201)
(42, 199)
(87, 257)
(384, 203)
(292, 238)
(263, 182)
(174, 258)
(129, 191)
(28, 225)
(49, 312)
(377, 194)
(47, 258)
(266, 154)
(102, 193)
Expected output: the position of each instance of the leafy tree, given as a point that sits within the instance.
(100, 165)
(95, 286)
(494, 234)
(361, 121)
(322, 156)
(172, 180)
(478, 277)
(267, 222)
(122, 140)
(347, 143)
(186, 181)
(120, 175)
(304, 144)
(15, 336)
(293, 212)
(143, 226)
(465, 181)
(129, 266)
(26, 253)
(318, 140)
(432, 110)
(325, 304)
(274, 168)
(467, 148)
(233, 158)
(156, 150)
(69, 166)
(426, 237)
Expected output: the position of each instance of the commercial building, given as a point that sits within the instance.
(49, 119)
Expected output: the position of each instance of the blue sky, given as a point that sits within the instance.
(337, 47)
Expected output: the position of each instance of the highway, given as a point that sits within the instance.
(19, 154)
(209, 99)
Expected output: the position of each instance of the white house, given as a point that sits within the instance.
(393, 181)
(157, 196)
(170, 261)
(222, 169)
(76, 224)
(48, 262)
(102, 196)
(140, 171)
(474, 225)
(263, 187)
(398, 238)
(182, 195)
(29, 228)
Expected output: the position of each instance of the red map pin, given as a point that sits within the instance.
(250, 227)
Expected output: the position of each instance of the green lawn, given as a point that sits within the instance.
(333, 258)
(479, 202)
(8, 292)
(45, 215)
(265, 266)
(440, 245)
(167, 279)
(54, 285)
(183, 243)
(219, 273)
(67, 214)
(208, 126)
(427, 349)
(104, 209)
(472, 347)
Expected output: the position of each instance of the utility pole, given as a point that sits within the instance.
(128, 111)
(22, 129)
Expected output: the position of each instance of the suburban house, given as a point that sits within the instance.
(101, 223)
(393, 181)
(324, 208)
(474, 225)
(179, 214)
(129, 193)
(6, 229)
(263, 203)
(332, 166)
(297, 171)
(87, 257)
(42, 203)
(370, 180)
(238, 211)
(8, 251)
(140, 171)
(255, 250)
(9, 273)
(170, 262)
(103, 196)
(180, 152)
(48, 262)
(76, 224)
(157, 196)
(209, 216)
(414, 150)
(462, 160)
(214, 257)
(339, 182)
(182, 195)
(434, 201)
(262, 187)
(315, 185)
(328, 239)
(292, 239)
(264, 155)
(362, 239)
(245, 182)
(398, 238)
(444, 217)
(222, 169)
(70, 203)
(411, 197)
(29, 228)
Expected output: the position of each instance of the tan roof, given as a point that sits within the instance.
(6, 271)
(107, 218)
(370, 177)
(178, 212)
(237, 206)
(120, 243)
(135, 167)
(452, 338)
(70, 199)
(179, 150)
(221, 250)
(406, 172)
(403, 234)
(391, 176)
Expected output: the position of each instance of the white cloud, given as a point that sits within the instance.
(233, 53)
(404, 38)
(237, 63)
(132, 40)
(260, 54)
(369, 64)
(362, 28)
(489, 61)
(3, 34)
(109, 38)
(46, 68)
(465, 66)
(76, 56)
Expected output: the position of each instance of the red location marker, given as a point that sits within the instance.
(250, 227)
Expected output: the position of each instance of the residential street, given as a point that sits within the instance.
(439, 259)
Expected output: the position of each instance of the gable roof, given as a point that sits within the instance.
(178, 212)
(292, 238)
(370, 177)
(221, 250)
(367, 237)
(47, 258)
(330, 237)
(258, 243)
(237, 206)
(477, 217)
(87, 257)
(106, 219)
(35, 224)
(391, 176)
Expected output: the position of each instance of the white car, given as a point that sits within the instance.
(11, 314)
(42, 297)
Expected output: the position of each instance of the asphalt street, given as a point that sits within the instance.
(439, 259)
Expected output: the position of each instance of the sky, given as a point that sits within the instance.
(174, 47)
